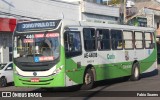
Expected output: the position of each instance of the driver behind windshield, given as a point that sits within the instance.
(46, 48)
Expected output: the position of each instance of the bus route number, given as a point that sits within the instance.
(30, 36)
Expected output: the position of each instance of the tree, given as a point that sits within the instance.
(113, 2)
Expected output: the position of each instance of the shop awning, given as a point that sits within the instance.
(7, 24)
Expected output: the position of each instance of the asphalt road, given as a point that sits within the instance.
(110, 89)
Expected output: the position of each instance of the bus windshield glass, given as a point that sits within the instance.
(37, 47)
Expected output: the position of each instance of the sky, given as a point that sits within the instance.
(158, 0)
(78, 0)
(70, 0)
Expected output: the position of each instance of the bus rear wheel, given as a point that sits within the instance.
(88, 80)
(135, 72)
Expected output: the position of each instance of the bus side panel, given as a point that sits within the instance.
(74, 73)
(149, 64)
(114, 70)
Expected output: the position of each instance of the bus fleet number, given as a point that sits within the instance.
(90, 55)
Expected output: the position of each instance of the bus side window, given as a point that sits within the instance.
(89, 39)
(138, 40)
(149, 40)
(116, 39)
(103, 39)
(72, 43)
(128, 39)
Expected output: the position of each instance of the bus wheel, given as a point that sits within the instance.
(3, 82)
(88, 80)
(135, 72)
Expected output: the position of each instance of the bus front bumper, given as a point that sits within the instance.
(57, 80)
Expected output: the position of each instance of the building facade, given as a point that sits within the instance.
(7, 26)
(49, 9)
(95, 1)
(149, 9)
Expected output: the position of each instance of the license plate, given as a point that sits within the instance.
(34, 79)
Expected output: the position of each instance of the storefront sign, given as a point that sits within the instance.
(47, 35)
(7, 24)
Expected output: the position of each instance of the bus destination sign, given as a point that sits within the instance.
(37, 25)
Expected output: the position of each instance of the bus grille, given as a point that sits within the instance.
(35, 66)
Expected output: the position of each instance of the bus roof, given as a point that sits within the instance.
(107, 26)
(53, 24)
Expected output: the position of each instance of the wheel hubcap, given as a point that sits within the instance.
(88, 78)
(136, 72)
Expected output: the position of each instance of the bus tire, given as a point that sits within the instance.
(88, 80)
(135, 72)
(3, 82)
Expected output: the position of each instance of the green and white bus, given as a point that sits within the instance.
(61, 53)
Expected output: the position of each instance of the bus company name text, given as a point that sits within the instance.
(90, 55)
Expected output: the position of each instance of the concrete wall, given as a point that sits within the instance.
(100, 9)
(53, 9)
(5, 45)
(43, 9)
(99, 13)
(100, 18)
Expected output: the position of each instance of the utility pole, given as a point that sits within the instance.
(107, 2)
(124, 11)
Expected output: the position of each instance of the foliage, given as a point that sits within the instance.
(114, 2)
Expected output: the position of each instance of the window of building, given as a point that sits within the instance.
(138, 40)
(89, 39)
(10, 54)
(157, 25)
(103, 39)
(128, 39)
(116, 39)
(148, 40)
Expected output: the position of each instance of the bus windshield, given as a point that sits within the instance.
(36, 47)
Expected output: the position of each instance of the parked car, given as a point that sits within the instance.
(6, 74)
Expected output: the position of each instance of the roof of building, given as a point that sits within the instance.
(148, 4)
